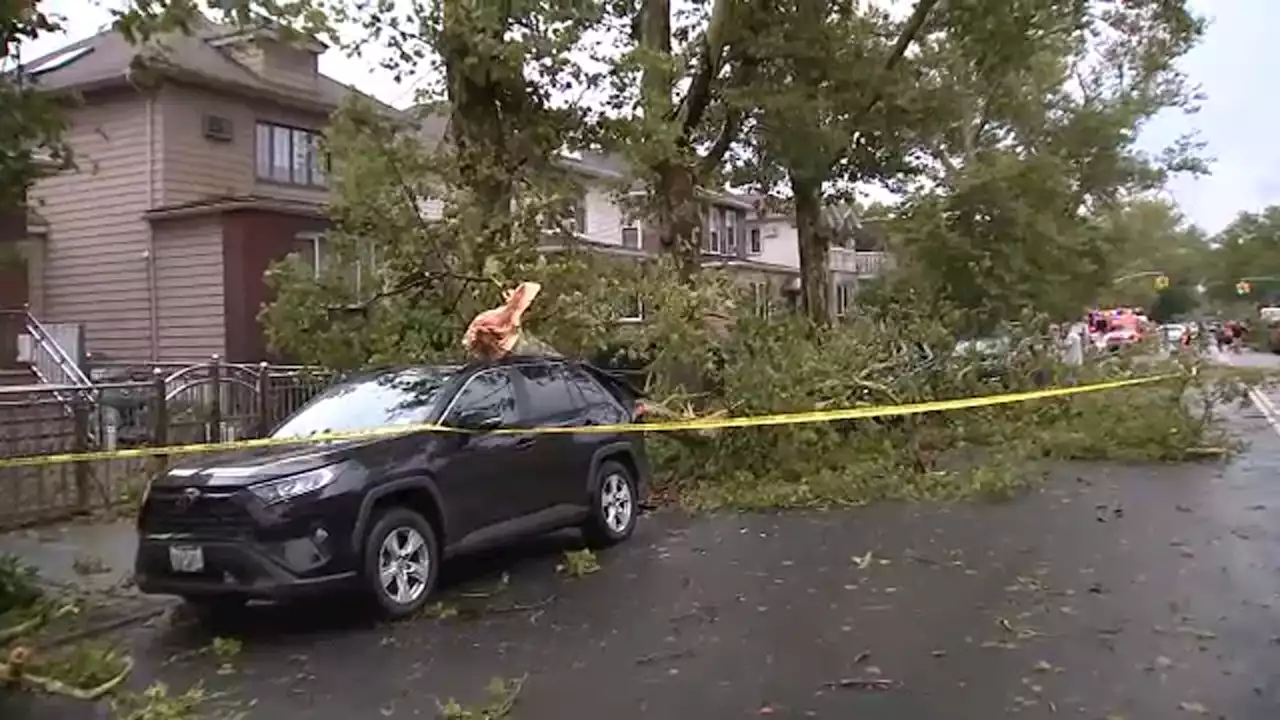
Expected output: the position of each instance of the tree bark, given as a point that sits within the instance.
(482, 95)
(678, 209)
(815, 279)
(814, 240)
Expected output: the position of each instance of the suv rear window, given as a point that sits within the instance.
(549, 394)
(591, 391)
(619, 389)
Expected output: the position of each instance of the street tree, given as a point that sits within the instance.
(1247, 249)
(830, 109)
(1151, 239)
(675, 107)
(32, 121)
(1035, 111)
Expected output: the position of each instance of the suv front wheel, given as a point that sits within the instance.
(401, 560)
(614, 507)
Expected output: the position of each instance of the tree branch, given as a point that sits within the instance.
(744, 74)
(728, 134)
(423, 280)
(914, 25)
(710, 60)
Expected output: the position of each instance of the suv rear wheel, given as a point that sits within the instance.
(401, 559)
(615, 506)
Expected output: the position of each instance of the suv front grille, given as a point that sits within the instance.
(212, 513)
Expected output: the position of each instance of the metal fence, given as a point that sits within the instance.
(209, 402)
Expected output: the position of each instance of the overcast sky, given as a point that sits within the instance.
(1230, 65)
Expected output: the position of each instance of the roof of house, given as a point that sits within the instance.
(433, 125)
(107, 58)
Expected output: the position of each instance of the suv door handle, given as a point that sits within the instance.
(525, 442)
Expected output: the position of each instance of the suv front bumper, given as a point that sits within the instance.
(234, 568)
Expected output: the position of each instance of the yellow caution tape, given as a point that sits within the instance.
(793, 418)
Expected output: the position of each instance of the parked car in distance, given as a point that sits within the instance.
(990, 356)
(380, 514)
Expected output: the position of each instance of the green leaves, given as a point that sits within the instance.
(32, 122)
(1247, 248)
(1030, 124)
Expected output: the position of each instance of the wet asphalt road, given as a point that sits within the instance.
(1111, 592)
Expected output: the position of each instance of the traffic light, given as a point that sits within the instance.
(1162, 282)
(1243, 287)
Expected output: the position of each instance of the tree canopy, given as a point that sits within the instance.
(1007, 129)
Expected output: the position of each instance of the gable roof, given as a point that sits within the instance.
(433, 127)
(108, 59)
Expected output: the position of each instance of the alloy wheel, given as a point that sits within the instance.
(404, 565)
(616, 503)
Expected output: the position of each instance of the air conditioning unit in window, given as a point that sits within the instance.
(217, 128)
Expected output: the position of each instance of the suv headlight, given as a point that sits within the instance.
(290, 487)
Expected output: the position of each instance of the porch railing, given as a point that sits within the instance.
(863, 263)
(53, 351)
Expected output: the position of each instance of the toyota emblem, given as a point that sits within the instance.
(187, 498)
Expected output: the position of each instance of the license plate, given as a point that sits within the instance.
(186, 558)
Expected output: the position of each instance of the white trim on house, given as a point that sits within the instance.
(634, 225)
(317, 242)
(637, 318)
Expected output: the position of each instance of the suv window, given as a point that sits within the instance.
(601, 405)
(489, 394)
(549, 394)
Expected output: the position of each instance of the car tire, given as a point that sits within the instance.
(614, 506)
(399, 541)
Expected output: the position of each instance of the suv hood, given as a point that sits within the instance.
(238, 468)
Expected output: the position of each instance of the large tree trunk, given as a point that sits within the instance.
(481, 95)
(677, 209)
(675, 214)
(814, 276)
(679, 216)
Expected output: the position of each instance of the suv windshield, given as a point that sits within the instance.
(398, 397)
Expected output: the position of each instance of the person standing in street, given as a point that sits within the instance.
(1073, 352)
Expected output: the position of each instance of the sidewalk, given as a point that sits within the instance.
(91, 556)
(93, 562)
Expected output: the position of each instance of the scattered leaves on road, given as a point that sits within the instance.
(155, 703)
(577, 563)
(501, 697)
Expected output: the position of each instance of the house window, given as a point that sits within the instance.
(631, 234)
(578, 224)
(760, 299)
(632, 311)
(309, 247)
(292, 156)
(312, 249)
(753, 243)
(730, 233)
(844, 298)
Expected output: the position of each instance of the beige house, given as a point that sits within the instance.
(194, 174)
(760, 248)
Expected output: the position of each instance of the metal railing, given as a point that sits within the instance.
(207, 402)
(48, 350)
(863, 263)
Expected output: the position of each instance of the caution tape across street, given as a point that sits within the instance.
(719, 423)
